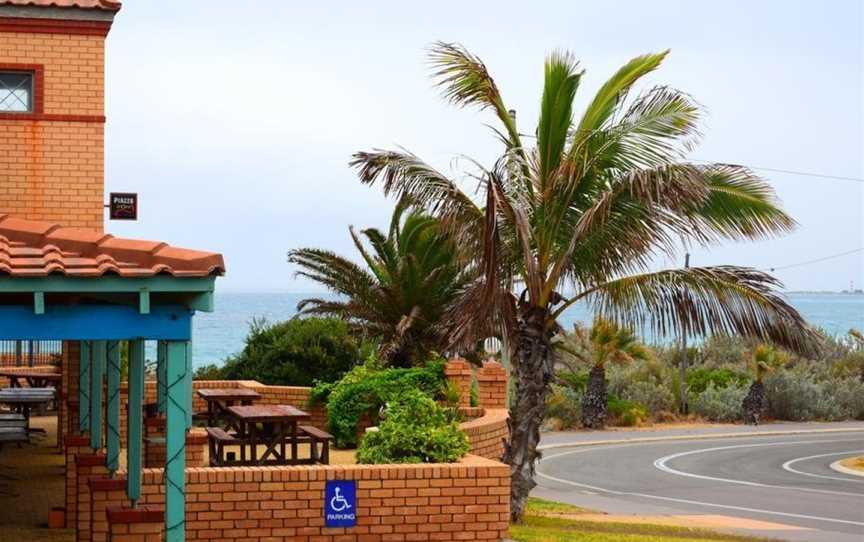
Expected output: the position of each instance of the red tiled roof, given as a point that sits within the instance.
(30, 248)
(107, 5)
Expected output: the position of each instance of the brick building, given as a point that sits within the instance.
(52, 109)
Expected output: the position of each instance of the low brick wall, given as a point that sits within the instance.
(488, 433)
(469, 500)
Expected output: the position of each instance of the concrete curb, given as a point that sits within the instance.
(845, 470)
(638, 440)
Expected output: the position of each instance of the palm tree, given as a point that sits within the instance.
(763, 360)
(580, 216)
(609, 343)
(401, 297)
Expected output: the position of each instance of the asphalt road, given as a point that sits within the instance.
(777, 479)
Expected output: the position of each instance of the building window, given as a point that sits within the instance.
(16, 92)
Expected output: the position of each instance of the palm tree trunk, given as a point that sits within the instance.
(594, 402)
(754, 403)
(533, 366)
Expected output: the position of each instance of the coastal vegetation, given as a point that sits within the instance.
(399, 299)
(297, 352)
(578, 213)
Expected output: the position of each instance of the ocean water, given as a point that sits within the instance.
(219, 334)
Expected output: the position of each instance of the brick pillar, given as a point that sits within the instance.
(142, 524)
(458, 372)
(104, 493)
(75, 445)
(492, 384)
(67, 416)
(154, 445)
(88, 466)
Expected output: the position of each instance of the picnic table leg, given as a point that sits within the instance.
(294, 441)
(241, 429)
(282, 437)
(211, 418)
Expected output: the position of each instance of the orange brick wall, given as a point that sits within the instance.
(53, 169)
(468, 500)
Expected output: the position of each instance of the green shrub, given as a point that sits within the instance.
(699, 378)
(563, 407)
(626, 413)
(297, 352)
(367, 388)
(208, 372)
(415, 429)
(655, 397)
(720, 404)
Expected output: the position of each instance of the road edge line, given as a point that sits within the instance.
(638, 440)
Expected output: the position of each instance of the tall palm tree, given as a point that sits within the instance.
(609, 343)
(764, 359)
(580, 215)
(400, 299)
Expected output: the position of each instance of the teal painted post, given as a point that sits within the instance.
(84, 365)
(161, 348)
(97, 380)
(175, 437)
(134, 420)
(189, 385)
(112, 410)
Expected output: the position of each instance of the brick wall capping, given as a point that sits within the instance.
(37, 25)
(142, 514)
(106, 484)
(90, 460)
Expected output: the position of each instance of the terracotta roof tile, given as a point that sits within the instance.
(30, 248)
(106, 5)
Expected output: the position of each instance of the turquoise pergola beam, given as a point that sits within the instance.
(175, 437)
(95, 322)
(84, 367)
(112, 410)
(106, 284)
(97, 374)
(134, 421)
(188, 385)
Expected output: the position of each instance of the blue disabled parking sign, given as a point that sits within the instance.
(340, 503)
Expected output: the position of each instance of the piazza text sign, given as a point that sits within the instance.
(340, 503)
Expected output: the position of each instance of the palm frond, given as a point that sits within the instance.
(556, 112)
(724, 300)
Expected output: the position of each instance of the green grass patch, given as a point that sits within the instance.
(540, 526)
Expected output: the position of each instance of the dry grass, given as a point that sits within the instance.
(31, 482)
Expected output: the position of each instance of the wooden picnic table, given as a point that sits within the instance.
(34, 379)
(218, 400)
(24, 399)
(279, 425)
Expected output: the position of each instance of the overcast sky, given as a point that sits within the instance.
(235, 125)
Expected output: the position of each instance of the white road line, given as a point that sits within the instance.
(788, 466)
(661, 464)
(673, 499)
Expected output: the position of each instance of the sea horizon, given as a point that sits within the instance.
(220, 334)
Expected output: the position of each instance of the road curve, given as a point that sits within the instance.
(783, 479)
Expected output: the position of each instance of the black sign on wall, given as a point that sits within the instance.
(123, 206)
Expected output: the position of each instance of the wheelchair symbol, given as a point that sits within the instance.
(338, 502)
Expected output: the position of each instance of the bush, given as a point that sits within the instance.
(563, 408)
(655, 397)
(699, 378)
(415, 429)
(720, 404)
(627, 413)
(367, 388)
(297, 352)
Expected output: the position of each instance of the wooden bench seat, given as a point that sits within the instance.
(13, 435)
(217, 439)
(317, 436)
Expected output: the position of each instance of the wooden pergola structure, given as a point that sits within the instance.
(112, 295)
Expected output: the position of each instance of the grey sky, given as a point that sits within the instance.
(235, 124)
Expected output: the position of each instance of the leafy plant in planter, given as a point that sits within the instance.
(764, 360)
(365, 389)
(415, 429)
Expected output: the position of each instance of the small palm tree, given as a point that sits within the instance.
(763, 360)
(401, 297)
(583, 213)
(609, 343)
